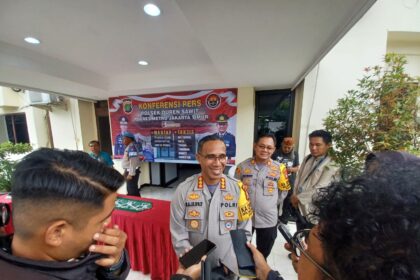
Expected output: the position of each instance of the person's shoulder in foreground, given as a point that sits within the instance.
(368, 227)
(62, 203)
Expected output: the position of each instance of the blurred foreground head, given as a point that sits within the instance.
(60, 199)
(370, 227)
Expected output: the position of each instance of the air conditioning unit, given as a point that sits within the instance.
(42, 98)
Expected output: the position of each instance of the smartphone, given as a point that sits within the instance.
(194, 255)
(246, 264)
(286, 233)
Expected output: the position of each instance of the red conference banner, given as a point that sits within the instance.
(168, 126)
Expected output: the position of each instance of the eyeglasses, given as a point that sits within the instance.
(212, 157)
(299, 243)
(263, 147)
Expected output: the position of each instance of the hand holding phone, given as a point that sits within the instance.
(243, 254)
(286, 233)
(194, 255)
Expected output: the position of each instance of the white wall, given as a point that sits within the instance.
(245, 123)
(37, 127)
(364, 45)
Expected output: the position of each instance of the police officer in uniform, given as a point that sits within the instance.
(119, 144)
(208, 205)
(267, 184)
(131, 164)
(228, 138)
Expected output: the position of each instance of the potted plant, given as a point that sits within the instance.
(382, 113)
(7, 165)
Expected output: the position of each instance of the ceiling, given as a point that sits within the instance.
(90, 48)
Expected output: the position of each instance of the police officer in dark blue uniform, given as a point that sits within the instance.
(119, 144)
(228, 138)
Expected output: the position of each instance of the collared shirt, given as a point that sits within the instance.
(103, 157)
(267, 185)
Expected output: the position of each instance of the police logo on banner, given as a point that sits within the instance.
(127, 106)
(213, 101)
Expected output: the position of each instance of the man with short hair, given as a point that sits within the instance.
(208, 205)
(131, 164)
(62, 204)
(317, 171)
(228, 138)
(368, 228)
(290, 158)
(101, 156)
(267, 185)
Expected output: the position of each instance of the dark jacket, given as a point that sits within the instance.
(16, 268)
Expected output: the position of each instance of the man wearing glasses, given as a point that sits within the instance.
(369, 228)
(267, 184)
(208, 205)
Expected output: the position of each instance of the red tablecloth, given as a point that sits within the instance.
(149, 239)
(7, 200)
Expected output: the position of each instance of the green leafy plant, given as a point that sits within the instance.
(381, 114)
(7, 165)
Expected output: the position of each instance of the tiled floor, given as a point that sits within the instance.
(278, 259)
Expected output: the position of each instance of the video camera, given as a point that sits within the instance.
(4, 214)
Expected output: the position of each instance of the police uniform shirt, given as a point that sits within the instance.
(119, 145)
(230, 142)
(267, 187)
(197, 215)
(131, 161)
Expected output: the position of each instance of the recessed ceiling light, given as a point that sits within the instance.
(151, 10)
(143, 62)
(32, 40)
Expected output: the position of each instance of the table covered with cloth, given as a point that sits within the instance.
(149, 242)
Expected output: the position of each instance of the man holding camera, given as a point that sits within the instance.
(62, 205)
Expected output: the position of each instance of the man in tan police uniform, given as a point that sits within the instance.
(267, 184)
(208, 205)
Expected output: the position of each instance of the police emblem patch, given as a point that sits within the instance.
(228, 225)
(247, 171)
(228, 197)
(193, 196)
(229, 214)
(193, 224)
(193, 213)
